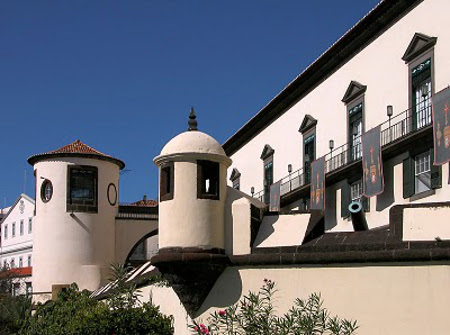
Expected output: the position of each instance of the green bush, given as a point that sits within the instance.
(13, 310)
(74, 312)
(255, 314)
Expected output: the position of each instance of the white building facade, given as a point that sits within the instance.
(16, 248)
(217, 242)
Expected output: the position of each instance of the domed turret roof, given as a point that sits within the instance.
(76, 149)
(193, 142)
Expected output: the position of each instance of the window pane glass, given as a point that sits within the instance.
(422, 172)
(82, 185)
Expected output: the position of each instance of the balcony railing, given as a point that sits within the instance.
(397, 127)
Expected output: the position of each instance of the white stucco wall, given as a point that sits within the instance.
(128, 233)
(186, 221)
(426, 224)
(282, 230)
(76, 248)
(395, 299)
(379, 66)
(169, 304)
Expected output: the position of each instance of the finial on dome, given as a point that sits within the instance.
(192, 120)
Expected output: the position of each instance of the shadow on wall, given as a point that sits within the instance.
(138, 243)
(330, 207)
(230, 282)
(266, 229)
(386, 199)
(233, 195)
(78, 220)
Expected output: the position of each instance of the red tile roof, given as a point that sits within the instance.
(76, 148)
(145, 203)
(17, 272)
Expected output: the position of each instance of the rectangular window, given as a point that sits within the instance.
(82, 189)
(30, 225)
(268, 178)
(166, 183)
(4, 264)
(421, 94)
(13, 232)
(12, 263)
(29, 289)
(356, 191)
(355, 128)
(16, 289)
(29, 260)
(309, 155)
(21, 227)
(20, 262)
(6, 231)
(422, 172)
(208, 180)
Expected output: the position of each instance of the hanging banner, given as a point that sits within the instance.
(373, 179)
(274, 205)
(318, 184)
(441, 126)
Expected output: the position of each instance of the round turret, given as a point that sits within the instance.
(192, 173)
(76, 204)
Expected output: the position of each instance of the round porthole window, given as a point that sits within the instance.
(112, 194)
(46, 190)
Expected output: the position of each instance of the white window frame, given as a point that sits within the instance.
(356, 191)
(422, 170)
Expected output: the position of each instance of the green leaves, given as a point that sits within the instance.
(255, 314)
(75, 313)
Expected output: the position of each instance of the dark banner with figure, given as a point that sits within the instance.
(441, 126)
(318, 184)
(373, 180)
(274, 205)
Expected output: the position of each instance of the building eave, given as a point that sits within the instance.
(378, 20)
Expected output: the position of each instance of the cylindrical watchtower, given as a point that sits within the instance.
(192, 171)
(76, 204)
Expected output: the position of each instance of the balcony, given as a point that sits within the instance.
(394, 130)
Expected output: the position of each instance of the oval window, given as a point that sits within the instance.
(46, 190)
(112, 194)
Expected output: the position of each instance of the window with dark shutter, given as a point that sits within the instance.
(345, 200)
(408, 178)
(166, 183)
(436, 174)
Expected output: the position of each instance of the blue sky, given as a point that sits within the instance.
(121, 76)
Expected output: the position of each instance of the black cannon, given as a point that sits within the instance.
(358, 217)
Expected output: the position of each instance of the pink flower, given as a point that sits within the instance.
(196, 328)
(222, 313)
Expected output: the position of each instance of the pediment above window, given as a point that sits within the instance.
(235, 174)
(307, 123)
(418, 45)
(354, 90)
(267, 152)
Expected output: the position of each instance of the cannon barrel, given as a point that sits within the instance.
(358, 217)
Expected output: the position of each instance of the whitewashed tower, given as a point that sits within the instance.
(76, 204)
(192, 171)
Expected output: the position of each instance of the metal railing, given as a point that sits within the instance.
(397, 127)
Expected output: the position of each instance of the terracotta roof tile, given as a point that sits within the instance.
(77, 148)
(145, 203)
(17, 272)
